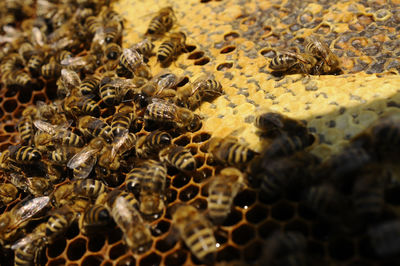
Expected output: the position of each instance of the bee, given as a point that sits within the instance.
(51, 70)
(37, 186)
(122, 144)
(35, 63)
(60, 220)
(24, 154)
(113, 90)
(63, 195)
(122, 120)
(229, 151)
(25, 128)
(384, 240)
(82, 163)
(113, 51)
(164, 112)
(89, 188)
(152, 143)
(63, 55)
(285, 249)
(202, 89)
(8, 193)
(17, 78)
(90, 85)
(76, 105)
(170, 49)
(52, 113)
(150, 181)
(93, 24)
(12, 221)
(70, 79)
(132, 61)
(179, 157)
(275, 124)
(328, 62)
(58, 134)
(93, 127)
(293, 63)
(161, 86)
(162, 22)
(286, 145)
(112, 31)
(145, 48)
(222, 189)
(85, 64)
(61, 155)
(26, 50)
(93, 218)
(196, 232)
(137, 235)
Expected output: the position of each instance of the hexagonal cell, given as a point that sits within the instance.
(76, 249)
(202, 61)
(200, 204)
(151, 259)
(243, 234)
(182, 140)
(25, 95)
(245, 199)
(257, 213)
(224, 66)
(200, 159)
(228, 253)
(200, 137)
(188, 193)
(228, 49)
(107, 263)
(231, 36)
(96, 242)
(55, 249)
(341, 248)
(267, 228)
(117, 251)
(282, 211)
(92, 260)
(10, 105)
(72, 231)
(171, 194)
(196, 55)
(202, 175)
(233, 218)
(176, 258)
(161, 228)
(252, 251)
(180, 180)
(268, 53)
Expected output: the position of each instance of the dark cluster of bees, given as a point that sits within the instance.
(117, 176)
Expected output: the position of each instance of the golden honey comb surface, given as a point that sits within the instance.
(235, 40)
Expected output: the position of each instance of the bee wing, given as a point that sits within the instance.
(24, 241)
(169, 109)
(77, 61)
(119, 142)
(134, 59)
(45, 127)
(61, 43)
(82, 156)
(38, 38)
(28, 208)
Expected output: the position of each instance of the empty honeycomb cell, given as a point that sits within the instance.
(201, 137)
(107, 263)
(228, 253)
(9, 128)
(117, 251)
(151, 259)
(196, 55)
(161, 228)
(231, 36)
(183, 82)
(233, 218)
(39, 97)
(228, 49)
(245, 199)
(365, 19)
(268, 52)
(200, 159)
(200, 204)
(221, 236)
(24, 95)
(252, 251)
(298, 226)
(76, 248)
(202, 61)
(10, 105)
(11, 92)
(57, 262)
(382, 15)
(248, 21)
(190, 48)
(341, 248)
(224, 66)
(282, 210)
(92, 260)
(182, 140)
(96, 242)
(243, 234)
(57, 248)
(171, 195)
(257, 213)
(188, 193)
(359, 42)
(176, 258)
(323, 29)
(180, 180)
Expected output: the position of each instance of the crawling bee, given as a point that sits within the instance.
(195, 230)
(162, 86)
(68, 80)
(51, 70)
(62, 154)
(24, 154)
(37, 186)
(222, 189)
(202, 89)
(152, 143)
(328, 62)
(89, 188)
(93, 127)
(275, 124)
(286, 145)
(95, 217)
(113, 90)
(179, 157)
(289, 62)
(122, 120)
(76, 105)
(229, 151)
(59, 222)
(162, 22)
(18, 78)
(150, 180)
(87, 64)
(144, 47)
(170, 49)
(131, 63)
(35, 63)
(90, 85)
(82, 163)
(25, 127)
(164, 112)
(8, 193)
(112, 31)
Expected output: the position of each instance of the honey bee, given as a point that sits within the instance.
(35, 63)
(93, 127)
(37, 186)
(196, 232)
(82, 163)
(51, 70)
(89, 188)
(76, 105)
(12, 221)
(24, 154)
(85, 64)
(60, 220)
(145, 48)
(93, 24)
(290, 62)
(202, 89)
(137, 235)
(132, 61)
(25, 128)
(113, 51)
(69, 79)
(150, 181)
(164, 112)
(26, 50)
(229, 151)
(284, 249)
(112, 31)
(61, 155)
(113, 90)
(152, 143)
(18, 78)
(58, 134)
(179, 157)
(162, 22)
(122, 120)
(170, 49)
(93, 218)
(383, 238)
(63, 195)
(222, 189)
(90, 85)
(63, 55)
(162, 86)
(328, 62)
(286, 145)
(8, 193)
(52, 113)
(274, 124)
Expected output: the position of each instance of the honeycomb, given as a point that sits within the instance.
(235, 41)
